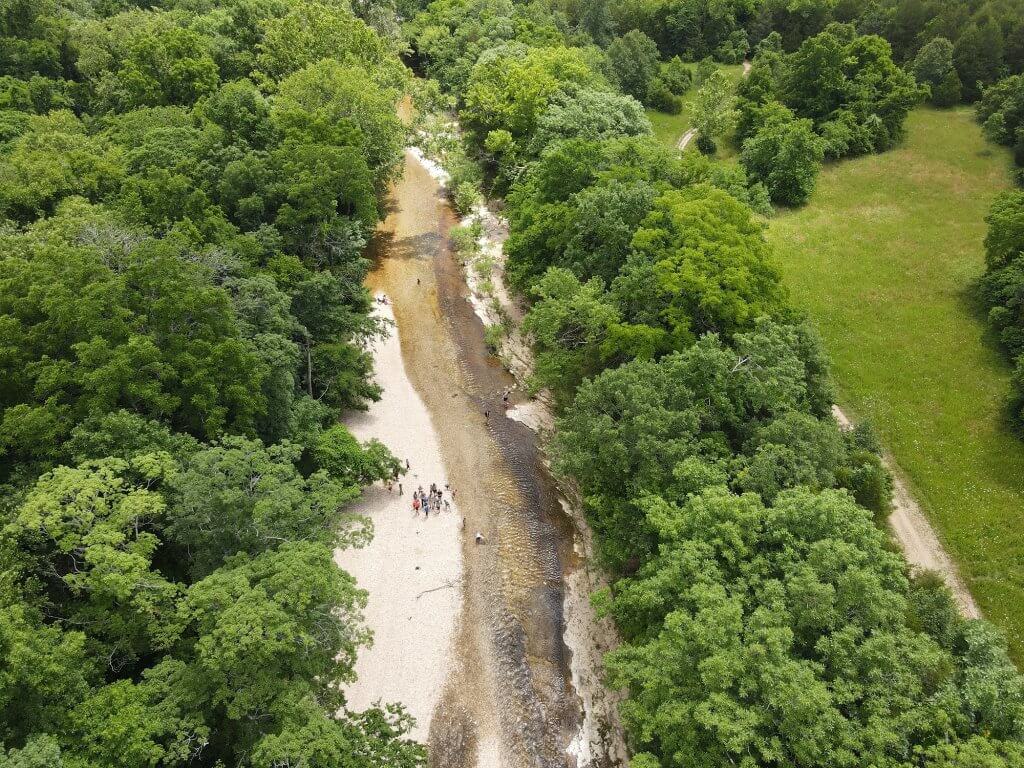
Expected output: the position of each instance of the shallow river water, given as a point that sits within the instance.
(509, 700)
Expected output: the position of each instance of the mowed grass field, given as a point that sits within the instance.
(883, 257)
(669, 128)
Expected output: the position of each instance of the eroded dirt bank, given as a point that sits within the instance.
(508, 699)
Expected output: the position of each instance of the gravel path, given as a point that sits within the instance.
(916, 537)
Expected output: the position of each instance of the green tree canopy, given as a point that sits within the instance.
(711, 268)
(785, 154)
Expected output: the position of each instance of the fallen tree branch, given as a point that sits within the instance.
(446, 585)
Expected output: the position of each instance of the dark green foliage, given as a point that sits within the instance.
(633, 64)
(778, 634)
(835, 77)
(580, 204)
(948, 93)
(691, 29)
(784, 154)
(661, 98)
(676, 76)
(1002, 287)
(1001, 111)
(767, 619)
(182, 315)
(661, 426)
(849, 89)
(978, 56)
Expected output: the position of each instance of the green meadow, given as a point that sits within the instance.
(884, 258)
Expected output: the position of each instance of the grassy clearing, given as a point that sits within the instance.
(883, 257)
(668, 129)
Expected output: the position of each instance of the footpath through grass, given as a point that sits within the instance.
(668, 129)
(883, 257)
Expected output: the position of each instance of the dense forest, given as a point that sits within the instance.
(766, 617)
(185, 194)
(187, 189)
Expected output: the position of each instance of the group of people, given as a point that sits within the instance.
(430, 501)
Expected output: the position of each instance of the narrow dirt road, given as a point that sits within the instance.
(916, 537)
(508, 698)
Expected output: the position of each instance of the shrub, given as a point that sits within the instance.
(677, 76)
(785, 154)
(661, 98)
(948, 92)
(465, 197)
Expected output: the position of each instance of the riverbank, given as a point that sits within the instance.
(412, 569)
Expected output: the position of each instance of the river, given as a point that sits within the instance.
(509, 697)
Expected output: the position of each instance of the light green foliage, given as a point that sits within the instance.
(341, 456)
(588, 113)
(365, 740)
(47, 670)
(52, 159)
(284, 615)
(312, 102)
(711, 267)
(312, 31)
(466, 198)
(510, 87)
(451, 34)
(933, 62)
(96, 526)
(838, 78)
(712, 111)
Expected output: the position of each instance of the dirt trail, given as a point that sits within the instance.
(916, 537)
(509, 698)
(686, 138)
(690, 135)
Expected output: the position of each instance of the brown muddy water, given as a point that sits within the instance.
(510, 700)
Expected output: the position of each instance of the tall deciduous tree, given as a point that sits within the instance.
(713, 109)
